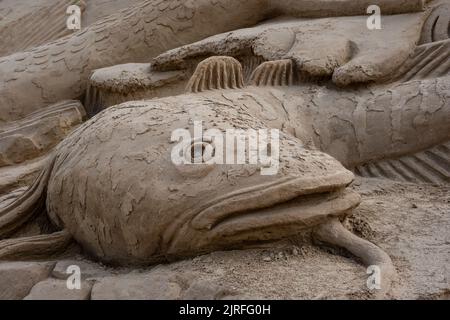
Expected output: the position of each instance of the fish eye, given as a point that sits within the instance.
(269, 149)
(199, 152)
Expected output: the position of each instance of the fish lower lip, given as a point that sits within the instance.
(299, 213)
(263, 197)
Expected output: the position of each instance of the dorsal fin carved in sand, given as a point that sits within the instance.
(219, 72)
(274, 73)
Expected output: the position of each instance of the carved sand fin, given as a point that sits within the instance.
(35, 247)
(11, 196)
(334, 233)
(36, 134)
(428, 166)
(55, 109)
(219, 72)
(31, 202)
(249, 65)
(38, 27)
(436, 27)
(93, 101)
(429, 60)
(23, 174)
(274, 73)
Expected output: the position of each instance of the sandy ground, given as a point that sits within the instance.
(412, 223)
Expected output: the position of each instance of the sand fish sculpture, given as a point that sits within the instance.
(113, 186)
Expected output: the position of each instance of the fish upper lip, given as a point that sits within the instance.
(266, 196)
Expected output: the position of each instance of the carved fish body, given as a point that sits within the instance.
(130, 203)
(114, 186)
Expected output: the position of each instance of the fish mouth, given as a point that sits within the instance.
(299, 202)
